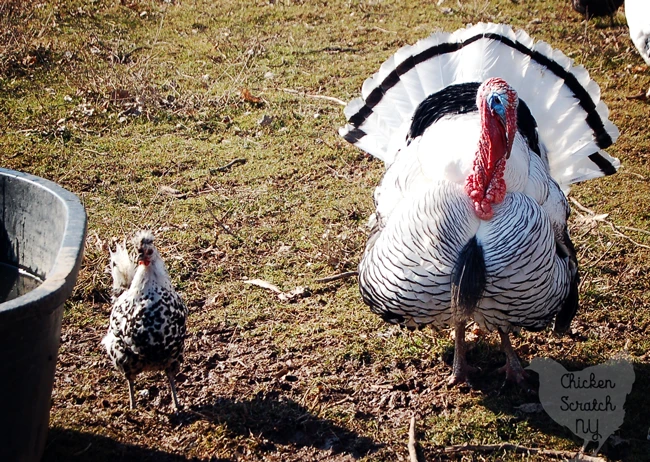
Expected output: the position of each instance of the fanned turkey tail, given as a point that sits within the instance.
(572, 121)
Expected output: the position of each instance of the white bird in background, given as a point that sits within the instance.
(637, 13)
(480, 131)
(147, 325)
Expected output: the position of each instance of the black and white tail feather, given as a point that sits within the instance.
(572, 121)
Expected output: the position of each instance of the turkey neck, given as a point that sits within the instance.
(485, 184)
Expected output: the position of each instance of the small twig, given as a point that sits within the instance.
(593, 264)
(307, 95)
(581, 207)
(83, 450)
(384, 30)
(128, 55)
(27, 130)
(640, 96)
(264, 285)
(336, 277)
(521, 450)
(413, 453)
(616, 229)
(226, 167)
(639, 176)
(339, 50)
(630, 228)
(579, 238)
(625, 236)
(220, 223)
(123, 58)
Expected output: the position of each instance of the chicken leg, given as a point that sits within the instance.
(131, 394)
(172, 386)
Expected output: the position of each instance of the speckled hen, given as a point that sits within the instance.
(481, 132)
(147, 324)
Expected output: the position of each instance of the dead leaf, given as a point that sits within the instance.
(29, 60)
(298, 292)
(248, 97)
(264, 285)
(169, 191)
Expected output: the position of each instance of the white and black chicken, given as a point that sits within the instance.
(481, 132)
(637, 13)
(147, 324)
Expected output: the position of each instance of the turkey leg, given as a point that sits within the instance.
(514, 371)
(461, 369)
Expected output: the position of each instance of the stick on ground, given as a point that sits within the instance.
(522, 450)
(413, 452)
(226, 167)
(307, 95)
(336, 277)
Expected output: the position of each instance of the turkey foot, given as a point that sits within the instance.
(461, 370)
(514, 372)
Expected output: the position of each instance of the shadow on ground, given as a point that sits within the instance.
(272, 420)
(65, 445)
(278, 420)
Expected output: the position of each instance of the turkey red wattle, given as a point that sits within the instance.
(486, 187)
(485, 184)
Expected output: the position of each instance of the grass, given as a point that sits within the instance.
(114, 100)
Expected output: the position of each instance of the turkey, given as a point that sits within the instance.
(147, 324)
(481, 132)
(596, 8)
(637, 13)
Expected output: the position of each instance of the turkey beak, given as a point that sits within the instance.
(497, 108)
(499, 111)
